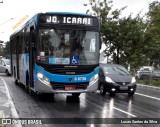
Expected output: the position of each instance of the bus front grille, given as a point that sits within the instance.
(68, 69)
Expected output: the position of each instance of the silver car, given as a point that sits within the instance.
(5, 66)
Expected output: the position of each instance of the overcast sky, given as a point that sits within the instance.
(18, 9)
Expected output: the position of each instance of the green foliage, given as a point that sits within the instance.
(152, 32)
(148, 82)
(5, 52)
(123, 36)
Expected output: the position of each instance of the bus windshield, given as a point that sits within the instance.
(68, 47)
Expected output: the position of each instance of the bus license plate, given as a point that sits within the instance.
(70, 87)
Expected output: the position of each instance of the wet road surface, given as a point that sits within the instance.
(144, 104)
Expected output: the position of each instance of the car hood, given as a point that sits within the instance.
(120, 78)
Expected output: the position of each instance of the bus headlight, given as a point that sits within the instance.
(43, 78)
(93, 79)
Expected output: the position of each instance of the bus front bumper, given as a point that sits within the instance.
(41, 87)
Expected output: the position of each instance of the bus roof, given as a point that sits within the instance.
(71, 13)
(34, 18)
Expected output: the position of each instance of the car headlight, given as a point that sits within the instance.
(133, 80)
(43, 78)
(107, 79)
(93, 79)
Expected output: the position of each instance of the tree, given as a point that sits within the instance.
(109, 21)
(133, 40)
(6, 50)
(123, 36)
(152, 31)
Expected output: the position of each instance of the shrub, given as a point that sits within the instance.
(148, 82)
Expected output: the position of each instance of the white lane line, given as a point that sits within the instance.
(125, 112)
(13, 109)
(148, 96)
(2, 114)
(96, 105)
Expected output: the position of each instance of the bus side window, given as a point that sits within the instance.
(20, 47)
(26, 40)
(22, 40)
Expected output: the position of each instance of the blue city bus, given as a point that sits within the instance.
(57, 52)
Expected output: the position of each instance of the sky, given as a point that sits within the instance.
(13, 11)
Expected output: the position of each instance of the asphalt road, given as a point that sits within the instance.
(15, 102)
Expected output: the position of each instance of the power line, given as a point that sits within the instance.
(6, 21)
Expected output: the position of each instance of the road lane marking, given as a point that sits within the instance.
(148, 96)
(125, 112)
(13, 109)
(96, 105)
(2, 116)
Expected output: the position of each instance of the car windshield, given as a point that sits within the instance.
(68, 47)
(114, 70)
(7, 62)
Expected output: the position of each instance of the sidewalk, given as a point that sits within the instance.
(6, 103)
(5, 106)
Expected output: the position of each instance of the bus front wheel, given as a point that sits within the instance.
(28, 88)
(75, 94)
(45, 96)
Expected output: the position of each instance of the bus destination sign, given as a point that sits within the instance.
(68, 20)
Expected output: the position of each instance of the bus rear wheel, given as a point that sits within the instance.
(7, 73)
(27, 86)
(15, 80)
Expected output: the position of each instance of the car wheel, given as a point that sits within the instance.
(102, 90)
(75, 94)
(112, 93)
(130, 94)
(7, 73)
